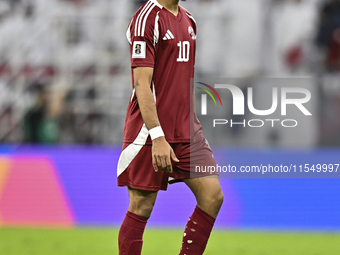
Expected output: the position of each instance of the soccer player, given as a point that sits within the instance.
(163, 140)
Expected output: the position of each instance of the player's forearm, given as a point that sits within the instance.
(147, 105)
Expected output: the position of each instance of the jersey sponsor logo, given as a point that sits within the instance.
(191, 33)
(139, 49)
(168, 36)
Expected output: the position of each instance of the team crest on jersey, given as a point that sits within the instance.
(139, 49)
(192, 33)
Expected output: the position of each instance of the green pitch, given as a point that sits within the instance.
(87, 241)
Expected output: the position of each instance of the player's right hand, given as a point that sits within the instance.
(162, 154)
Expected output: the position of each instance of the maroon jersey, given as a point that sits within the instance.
(167, 43)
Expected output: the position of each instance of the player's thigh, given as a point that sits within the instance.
(205, 186)
(141, 202)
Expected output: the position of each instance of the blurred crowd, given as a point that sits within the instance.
(64, 66)
(74, 50)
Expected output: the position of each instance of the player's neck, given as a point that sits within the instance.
(170, 5)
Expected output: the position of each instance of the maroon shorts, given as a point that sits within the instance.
(135, 168)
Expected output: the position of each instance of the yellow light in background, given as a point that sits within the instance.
(4, 166)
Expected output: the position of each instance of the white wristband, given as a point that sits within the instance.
(156, 132)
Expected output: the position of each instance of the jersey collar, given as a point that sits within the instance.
(156, 3)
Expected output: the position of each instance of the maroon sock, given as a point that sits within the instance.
(197, 232)
(130, 239)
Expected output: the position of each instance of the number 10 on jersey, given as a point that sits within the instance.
(184, 51)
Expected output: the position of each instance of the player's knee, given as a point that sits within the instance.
(146, 209)
(218, 200)
(142, 207)
(213, 200)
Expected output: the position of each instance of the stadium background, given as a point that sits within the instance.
(68, 60)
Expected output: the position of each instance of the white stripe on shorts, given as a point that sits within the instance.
(130, 152)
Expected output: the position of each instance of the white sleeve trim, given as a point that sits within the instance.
(145, 19)
(191, 17)
(128, 32)
(156, 31)
(140, 17)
